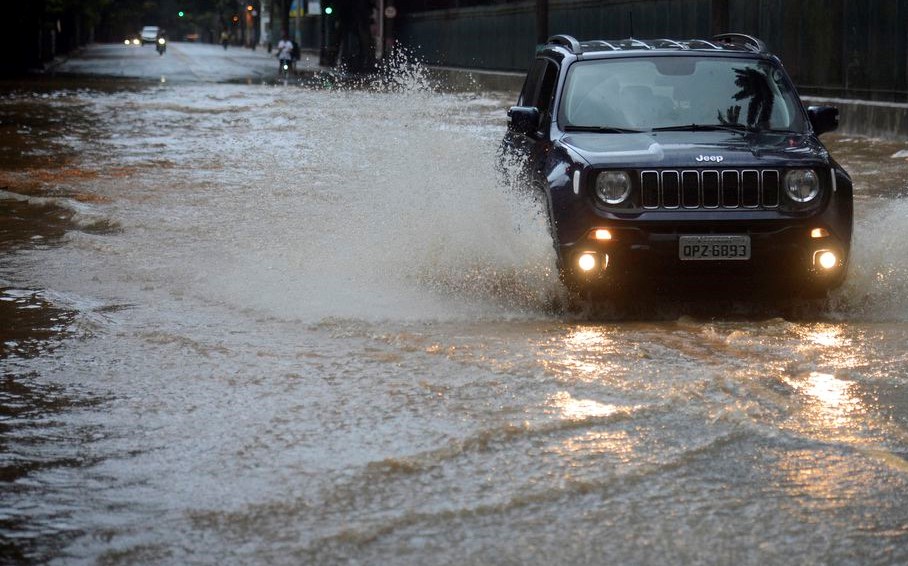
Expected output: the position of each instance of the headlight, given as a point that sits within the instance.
(612, 187)
(802, 185)
(162, 41)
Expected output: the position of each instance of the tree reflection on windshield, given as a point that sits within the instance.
(754, 85)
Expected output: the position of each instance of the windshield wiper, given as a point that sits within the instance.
(602, 129)
(739, 128)
(778, 131)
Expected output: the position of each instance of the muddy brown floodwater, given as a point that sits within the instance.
(268, 324)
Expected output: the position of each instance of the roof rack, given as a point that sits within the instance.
(657, 43)
(719, 42)
(567, 41)
(702, 42)
(747, 41)
(638, 43)
(601, 43)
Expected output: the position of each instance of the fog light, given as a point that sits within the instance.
(602, 234)
(825, 259)
(819, 233)
(586, 262)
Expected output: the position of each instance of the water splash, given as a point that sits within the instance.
(877, 284)
(382, 199)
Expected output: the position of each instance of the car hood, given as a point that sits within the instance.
(696, 149)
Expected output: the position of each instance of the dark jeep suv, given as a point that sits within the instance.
(665, 162)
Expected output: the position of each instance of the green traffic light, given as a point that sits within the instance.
(329, 10)
(181, 13)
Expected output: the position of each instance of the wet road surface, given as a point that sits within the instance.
(181, 62)
(248, 323)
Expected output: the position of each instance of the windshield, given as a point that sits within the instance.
(667, 92)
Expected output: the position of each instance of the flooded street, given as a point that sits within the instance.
(248, 323)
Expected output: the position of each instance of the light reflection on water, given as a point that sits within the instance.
(581, 409)
(831, 398)
(307, 351)
(588, 354)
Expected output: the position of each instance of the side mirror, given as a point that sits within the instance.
(523, 119)
(823, 118)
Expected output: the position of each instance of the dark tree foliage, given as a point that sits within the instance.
(731, 116)
(755, 87)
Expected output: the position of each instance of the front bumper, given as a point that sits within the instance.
(783, 256)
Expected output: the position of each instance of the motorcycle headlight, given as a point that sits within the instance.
(802, 185)
(613, 187)
(162, 41)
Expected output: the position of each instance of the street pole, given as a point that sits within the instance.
(380, 44)
(264, 21)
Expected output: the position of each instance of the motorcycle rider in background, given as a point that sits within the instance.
(284, 54)
(160, 42)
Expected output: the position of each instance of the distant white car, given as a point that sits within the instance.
(149, 34)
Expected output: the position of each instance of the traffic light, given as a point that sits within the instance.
(181, 13)
(329, 10)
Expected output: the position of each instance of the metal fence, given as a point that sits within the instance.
(842, 48)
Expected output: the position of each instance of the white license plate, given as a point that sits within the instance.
(713, 247)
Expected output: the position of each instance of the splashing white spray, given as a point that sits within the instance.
(877, 283)
(388, 204)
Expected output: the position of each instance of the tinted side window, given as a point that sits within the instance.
(539, 89)
(547, 91)
(531, 85)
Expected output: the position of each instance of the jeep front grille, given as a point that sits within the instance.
(724, 188)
